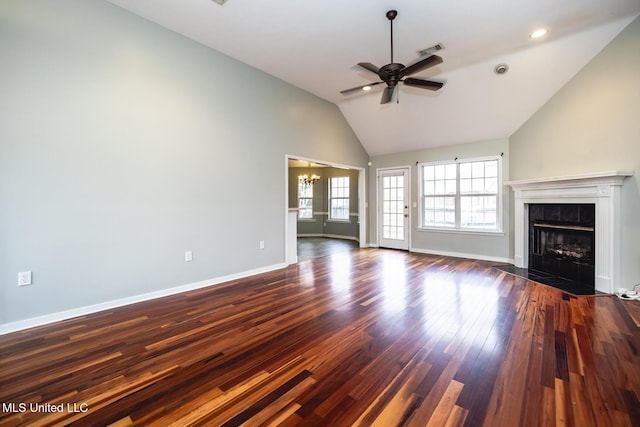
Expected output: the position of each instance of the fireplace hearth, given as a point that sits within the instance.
(562, 241)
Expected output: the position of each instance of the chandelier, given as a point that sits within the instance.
(308, 178)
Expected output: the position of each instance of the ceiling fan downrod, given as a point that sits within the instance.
(391, 15)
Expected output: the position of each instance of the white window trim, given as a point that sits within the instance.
(457, 229)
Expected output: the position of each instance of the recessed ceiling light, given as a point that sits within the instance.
(366, 88)
(501, 69)
(541, 32)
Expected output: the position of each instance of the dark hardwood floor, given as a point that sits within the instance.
(362, 337)
(316, 247)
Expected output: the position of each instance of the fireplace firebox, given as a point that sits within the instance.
(562, 241)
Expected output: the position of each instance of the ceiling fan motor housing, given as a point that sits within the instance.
(391, 73)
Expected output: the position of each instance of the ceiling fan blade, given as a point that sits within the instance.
(387, 95)
(358, 89)
(423, 84)
(422, 65)
(369, 66)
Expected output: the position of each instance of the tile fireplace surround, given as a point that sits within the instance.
(601, 189)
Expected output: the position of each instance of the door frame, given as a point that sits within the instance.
(290, 257)
(405, 169)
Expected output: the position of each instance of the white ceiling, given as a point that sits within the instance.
(295, 163)
(315, 45)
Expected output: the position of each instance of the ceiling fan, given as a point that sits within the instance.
(394, 73)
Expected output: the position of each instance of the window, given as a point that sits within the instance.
(339, 198)
(305, 201)
(462, 195)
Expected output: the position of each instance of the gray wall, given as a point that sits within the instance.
(120, 146)
(320, 225)
(483, 246)
(593, 125)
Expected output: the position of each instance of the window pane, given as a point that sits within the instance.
(477, 169)
(429, 187)
(490, 202)
(429, 203)
(478, 212)
(465, 170)
(305, 208)
(428, 172)
(450, 186)
(477, 185)
(305, 190)
(491, 185)
(465, 186)
(339, 209)
(450, 171)
(439, 211)
(305, 214)
(305, 203)
(491, 168)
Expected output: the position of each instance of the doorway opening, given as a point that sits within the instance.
(325, 214)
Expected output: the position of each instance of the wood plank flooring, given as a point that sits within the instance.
(316, 247)
(368, 337)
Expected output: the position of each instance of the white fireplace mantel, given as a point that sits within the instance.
(601, 189)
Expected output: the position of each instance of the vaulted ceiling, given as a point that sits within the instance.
(315, 45)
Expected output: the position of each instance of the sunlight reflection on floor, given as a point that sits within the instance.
(340, 272)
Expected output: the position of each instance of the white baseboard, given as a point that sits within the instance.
(462, 255)
(83, 311)
(328, 236)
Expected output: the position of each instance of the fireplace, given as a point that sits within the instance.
(562, 241)
(602, 190)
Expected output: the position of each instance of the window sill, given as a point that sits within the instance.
(462, 231)
(342, 221)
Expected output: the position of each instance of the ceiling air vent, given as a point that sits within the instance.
(431, 50)
(220, 2)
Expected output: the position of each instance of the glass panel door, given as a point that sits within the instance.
(393, 210)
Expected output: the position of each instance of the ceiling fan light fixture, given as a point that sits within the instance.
(366, 88)
(540, 32)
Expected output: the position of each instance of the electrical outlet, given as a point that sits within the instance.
(261, 244)
(188, 256)
(24, 278)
